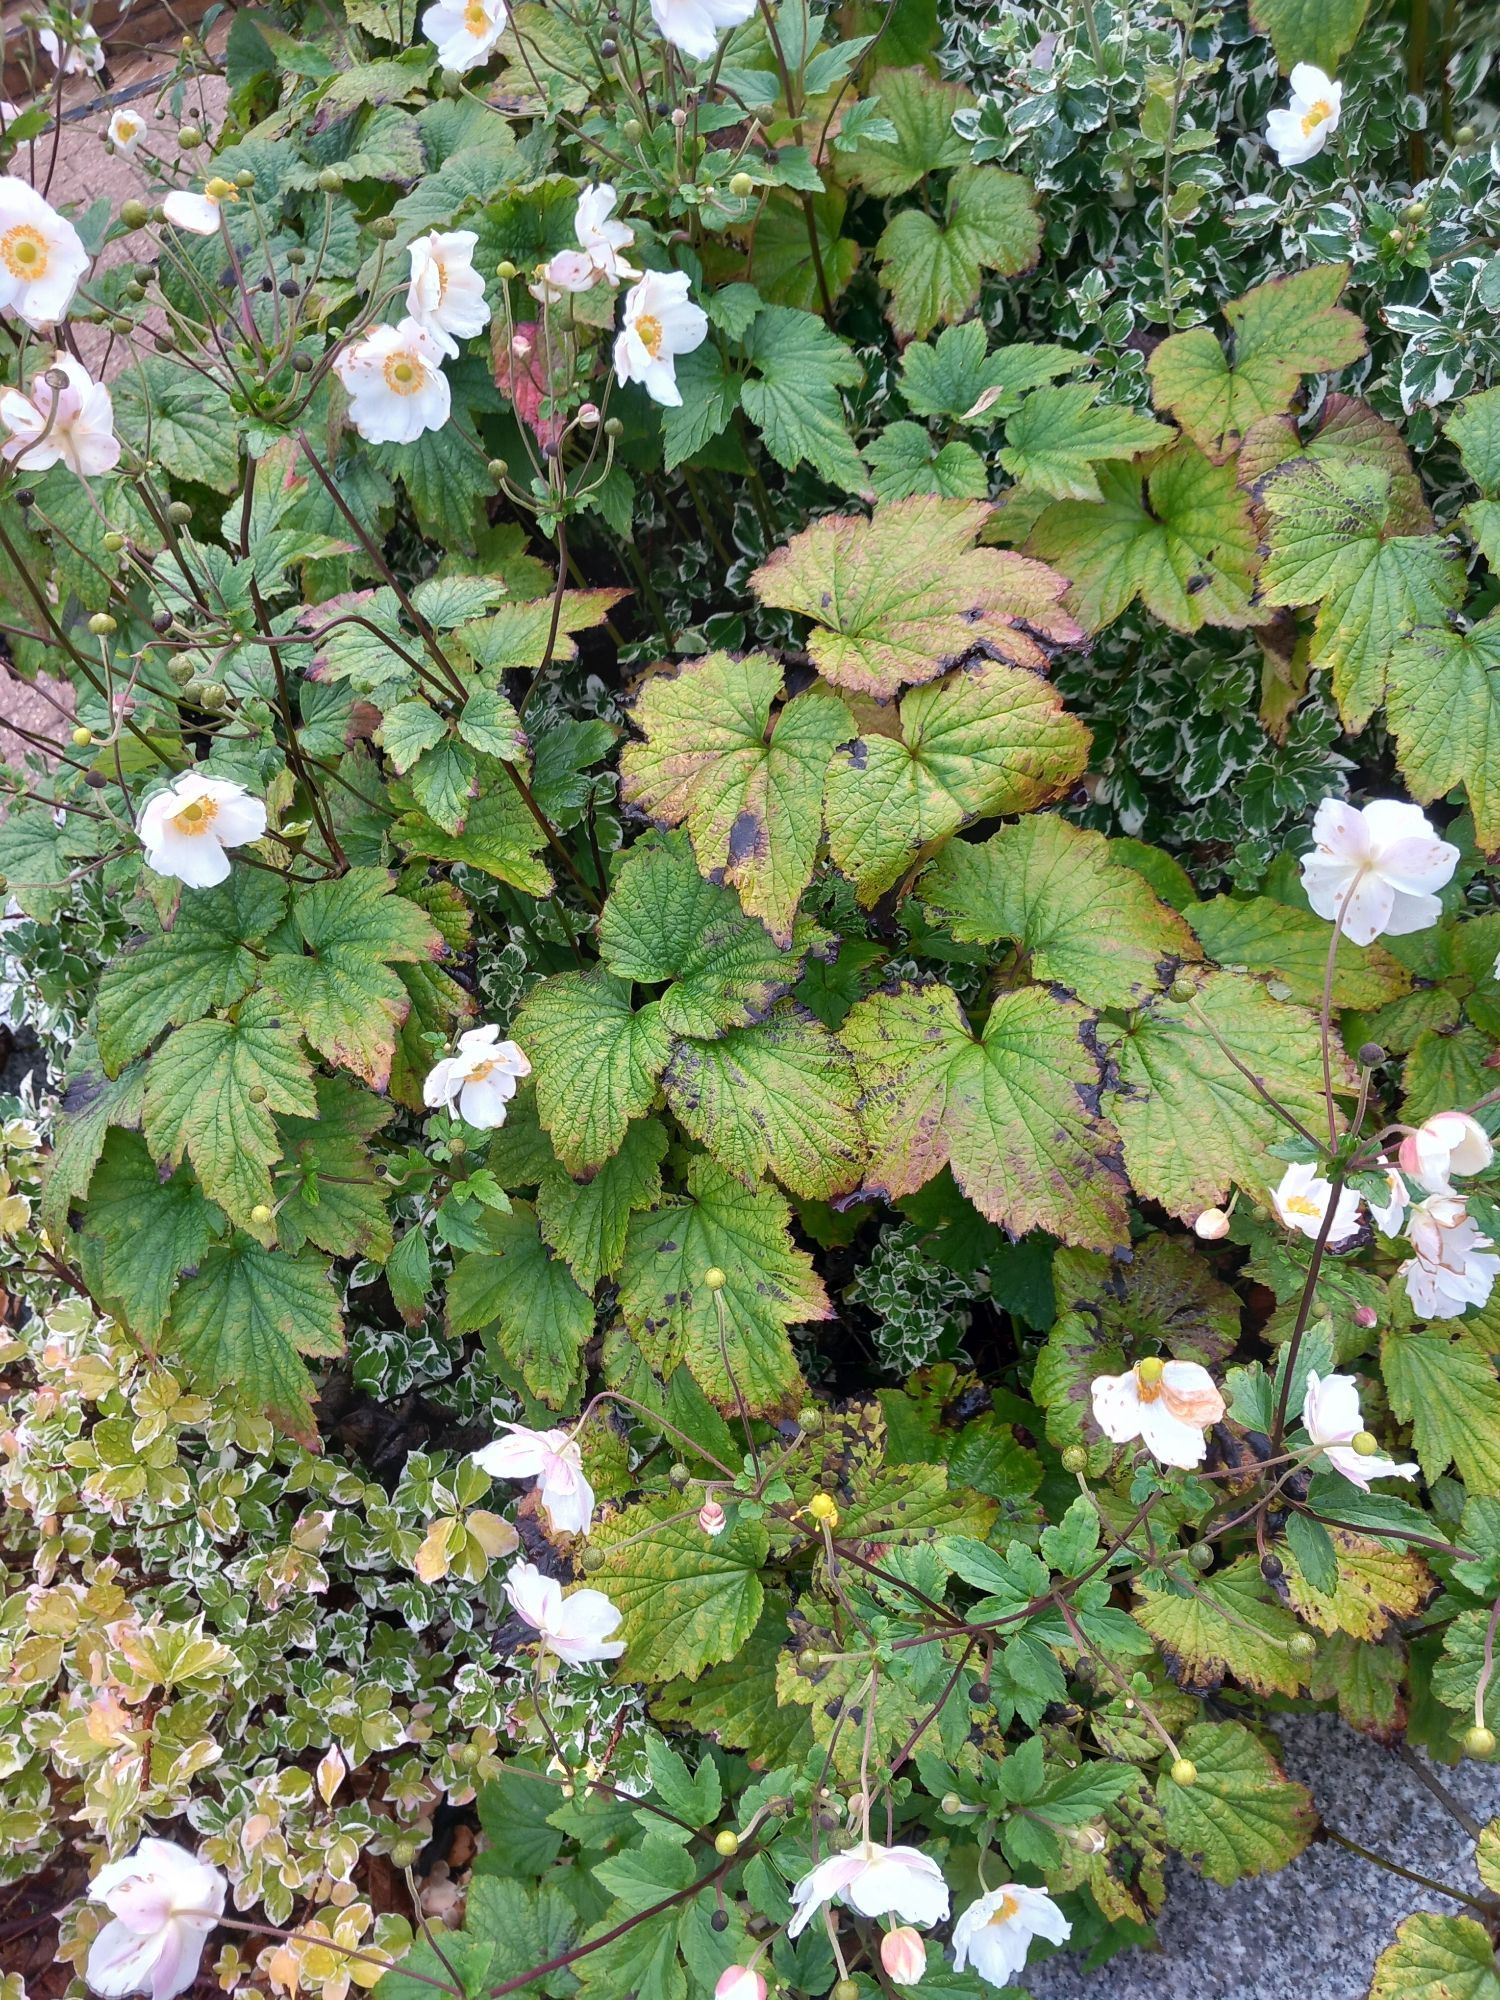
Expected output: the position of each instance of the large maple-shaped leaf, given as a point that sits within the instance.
(239, 1326)
(793, 397)
(1334, 543)
(769, 1285)
(1192, 1120)
(748, 789)
(1443, 703)
(685, 1599)
(932, 269)
(1080, 917)
(92, 1103)
(334, 1196)
(1183, 543)
(1059, 436)
(1441, 1380)
(540, 1314)
(1011, 1111)
(992, 738)
(1283, 330)
(211, 1090)
(500, 835)
(905, 594)
(586, 1222)
(202, 963)
(665, 925)
(1310, 31)
(1475, 429)
(777, 1098)
(1244, 1816)
(596, 1061)
(1256, 934)
(1437, 1958)
(1348, 432)
(957, 377)
(921, 110)
(1228, 1624)
(347, 1000)
(141, 1232)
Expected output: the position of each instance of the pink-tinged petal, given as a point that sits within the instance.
(519, 1456)
(1191, 1394)
(1418, 867)
(181, 1949)
(1411, 913)
(121, 1961)
(537, 1598)
(1365, 909)
(1339, 829)
(1169, 1439)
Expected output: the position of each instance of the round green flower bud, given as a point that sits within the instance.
(1184, 1771)
(406, 1849)
(82, 737)
(1365, 1443)
(845, 1989)
(952, 1803)
(505, 270)
(593, 1558)
(114, 541)
(632, 131)
(808, 1660)
(679, 1474)
(179, 513)
(497, 469)
(383, 228)
(726, 1842)
(1302, 1645)
(715, 1279)
(741, 185)
(613, 427)
(331, 181)
(1075, 1458)
(134, 214)
(260, 1214)
(1465, 136)
(1201, 1555)
(244, 179)
(256, 1093)
(1183, 988)
(182, 671)
(101, 625)
(1479, 1741)
(810, 1418)
(189, 136)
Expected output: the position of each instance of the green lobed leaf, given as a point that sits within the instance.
(1437, 1958)
(950, 376)
(933, 269)
(686, 1599)
(141, 1232)
(793, 397)
(241, 1323)
(596, 1061)
(500, 836)
(904, 461)
(540, 1315)
(1243, 1816)
(921, 109)
(586, 1222)
(1443, 703)
(1227, 1624)
(1442, 1382)
(1312, 31)
(1008, 1110)
(1255, 934)
(1057, 436)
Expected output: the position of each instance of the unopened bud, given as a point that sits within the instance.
(188, 137)
(903, 1955)
(1365, 1443)
(1479, 1741)
(952, 1803)
(613, 428)
(679, 118)
(678, 1473)
(497, 469)
(1371, 1054)
(714, 1278)
(588, 415)
(1366, 1316)
(632, 131)
(256, 1093)
(505, 270)
(1088, 1839)
(1211, 1225)
(1183, 988)
(83, 737)
(726, 1842)
(711, 1518)
(1184, 1771)
(383, 228)
(1302, 1645)
(260, 1214)
(179, 513)
(1201, 1555)
(244, 178)
(1075, 1458)
(134, 214)
(740, 1982)
(331, 181)
(742, 185)
(101, 625)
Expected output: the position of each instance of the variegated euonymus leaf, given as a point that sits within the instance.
(743, 774)
(904, 595)
(1283, 330)
(990, 738)
(1013, 1110)
(1076, 915)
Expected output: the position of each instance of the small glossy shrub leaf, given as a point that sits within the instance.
(664, 923)
(1184, 545)
(1291, 327)
(686, 1599)
(198, 1101)
(778, 1098)
(1080, 918)
(991, 738)
(346, 999)
(905, 594)
(748, 790)
(1193, 1123)
(1058, 436)
(1333, 543)
(933, 269)
(770, 1285)
(202, 963)
(1008, 1110)
(540, 1315)
(586, 1222)
(1255, 934)
(1244, 1816)
(1443, 702)
(595, 1060)
(239, 1326)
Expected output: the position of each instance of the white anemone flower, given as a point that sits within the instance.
(1387, 1214)
(994, 1933)
(876, 1881)
(554, 1461)
(577, 1628)
(600, 237)
(1331, 1417)
(694, 26)
(1455, 1265)
(1301, 1201)
(42, 256)
(1303, 129)
(395, 383)
(71, 425)
(446, 293)
(478, 1082)
(186, 828)
(1376, 871)
(125, 130)
(659, 322)
(81, 51)
(164, 1902)
(1168, 1405)
(1450, 1142)
(465, 32)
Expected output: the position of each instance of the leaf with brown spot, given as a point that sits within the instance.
(904, 595)
(1375, 1584)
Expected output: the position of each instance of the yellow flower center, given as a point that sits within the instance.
(196, 817)
(478, 1075)
(476, 18)
(126, 127)
(1303, 1204)
(403, 377)
(1316, 114)
(648, 331)
(24, 251)
(1009, 1907)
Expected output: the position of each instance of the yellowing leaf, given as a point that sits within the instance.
(1437, 1958)
(1442, 1382)
(1255, 934)
(1079, 917)
(1311, 31)
(686, 1599)
(904, 595)
(596, 1061)
(748, 790)
(1283, 330)
(1244, 1816)
(1008, 1110)
(1227, 1623)
(1192, 1121)
(1375, 1584)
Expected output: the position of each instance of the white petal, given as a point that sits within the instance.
(1117, 1406)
